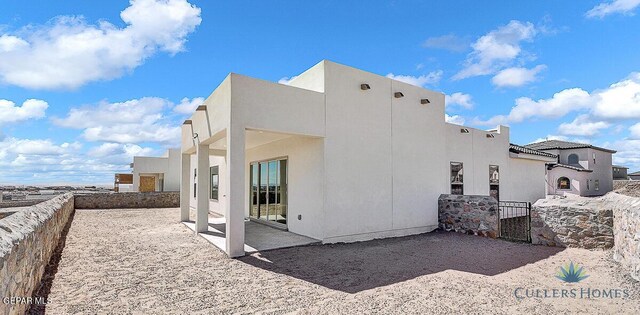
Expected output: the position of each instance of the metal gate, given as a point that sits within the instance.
(514, 220)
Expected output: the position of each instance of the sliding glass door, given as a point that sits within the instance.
(268, 191)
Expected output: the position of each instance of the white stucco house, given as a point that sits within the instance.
(340, 155)
(157, 173)
(581, 169)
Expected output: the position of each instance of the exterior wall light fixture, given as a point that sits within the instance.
(490, 135)
(365, 87)
(201, 107)
(425, 101)
(464, 130)
(398, 94)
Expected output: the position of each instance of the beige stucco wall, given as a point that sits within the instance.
(305, 177)
(165, 170)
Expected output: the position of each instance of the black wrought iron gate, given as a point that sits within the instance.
(514, 220)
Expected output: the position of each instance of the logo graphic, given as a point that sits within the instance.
(571, 273)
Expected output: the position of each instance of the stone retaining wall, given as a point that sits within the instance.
(20, 203)
(627, 187)
(572, 222)
(626, 231)
(476, 215)
(125, 200)
(28, 237)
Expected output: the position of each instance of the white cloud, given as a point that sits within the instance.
(449, 42)
(430, 78)
(497, 49)
(188, 106)
(68, 52)
(455, 119)
(634, 131)
(620, 100)
(133, 121)
(287, 80)
(516, 76)
(30, 109)
(582, 126)
(9, 43)
(628, 153)
(461, 99)
(117, 153)
(615, 6)
(46, 162)
(557, 106)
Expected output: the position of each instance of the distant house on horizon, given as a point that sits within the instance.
(157, 173)
(620, 172)
(581, 169)
(634, 176)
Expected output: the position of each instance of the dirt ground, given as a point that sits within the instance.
(144, 261)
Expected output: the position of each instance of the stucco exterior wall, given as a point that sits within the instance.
(362, 164)
(521, 178)
(526, 180)
(601, 170)
(165, 170)
(305, 178)
(216, 206)
(382, 174)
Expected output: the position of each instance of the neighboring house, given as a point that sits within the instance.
(340, 155)
(620, 172)
(157, 173)
(634, 176)
(581, 169)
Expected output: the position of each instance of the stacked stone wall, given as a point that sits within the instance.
(470, 214)
(126, 200)
(28, 238)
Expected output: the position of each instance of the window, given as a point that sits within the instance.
(588, 180)
(457, 180)
(268, 191)
(594, 158)
(195, 173)
(494, 181)
(572, 159)
(564, 183)
(214, 182)
(596, 185)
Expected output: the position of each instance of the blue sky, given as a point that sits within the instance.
(84, 86)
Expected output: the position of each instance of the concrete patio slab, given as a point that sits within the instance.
(258, 237)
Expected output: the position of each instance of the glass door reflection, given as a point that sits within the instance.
(268, 191)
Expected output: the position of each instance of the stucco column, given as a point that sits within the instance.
(185, 186)
(236, 190)
(202, 188)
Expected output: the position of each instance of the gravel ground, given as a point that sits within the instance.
(144, 261)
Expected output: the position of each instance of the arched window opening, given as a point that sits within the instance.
(564, 183)
(573, 159)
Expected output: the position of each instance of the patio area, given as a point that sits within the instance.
(258, 237)
(146, 261)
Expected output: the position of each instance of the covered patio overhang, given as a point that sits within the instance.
(232, 232)
(241, 114)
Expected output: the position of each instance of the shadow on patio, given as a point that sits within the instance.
(361, 266)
